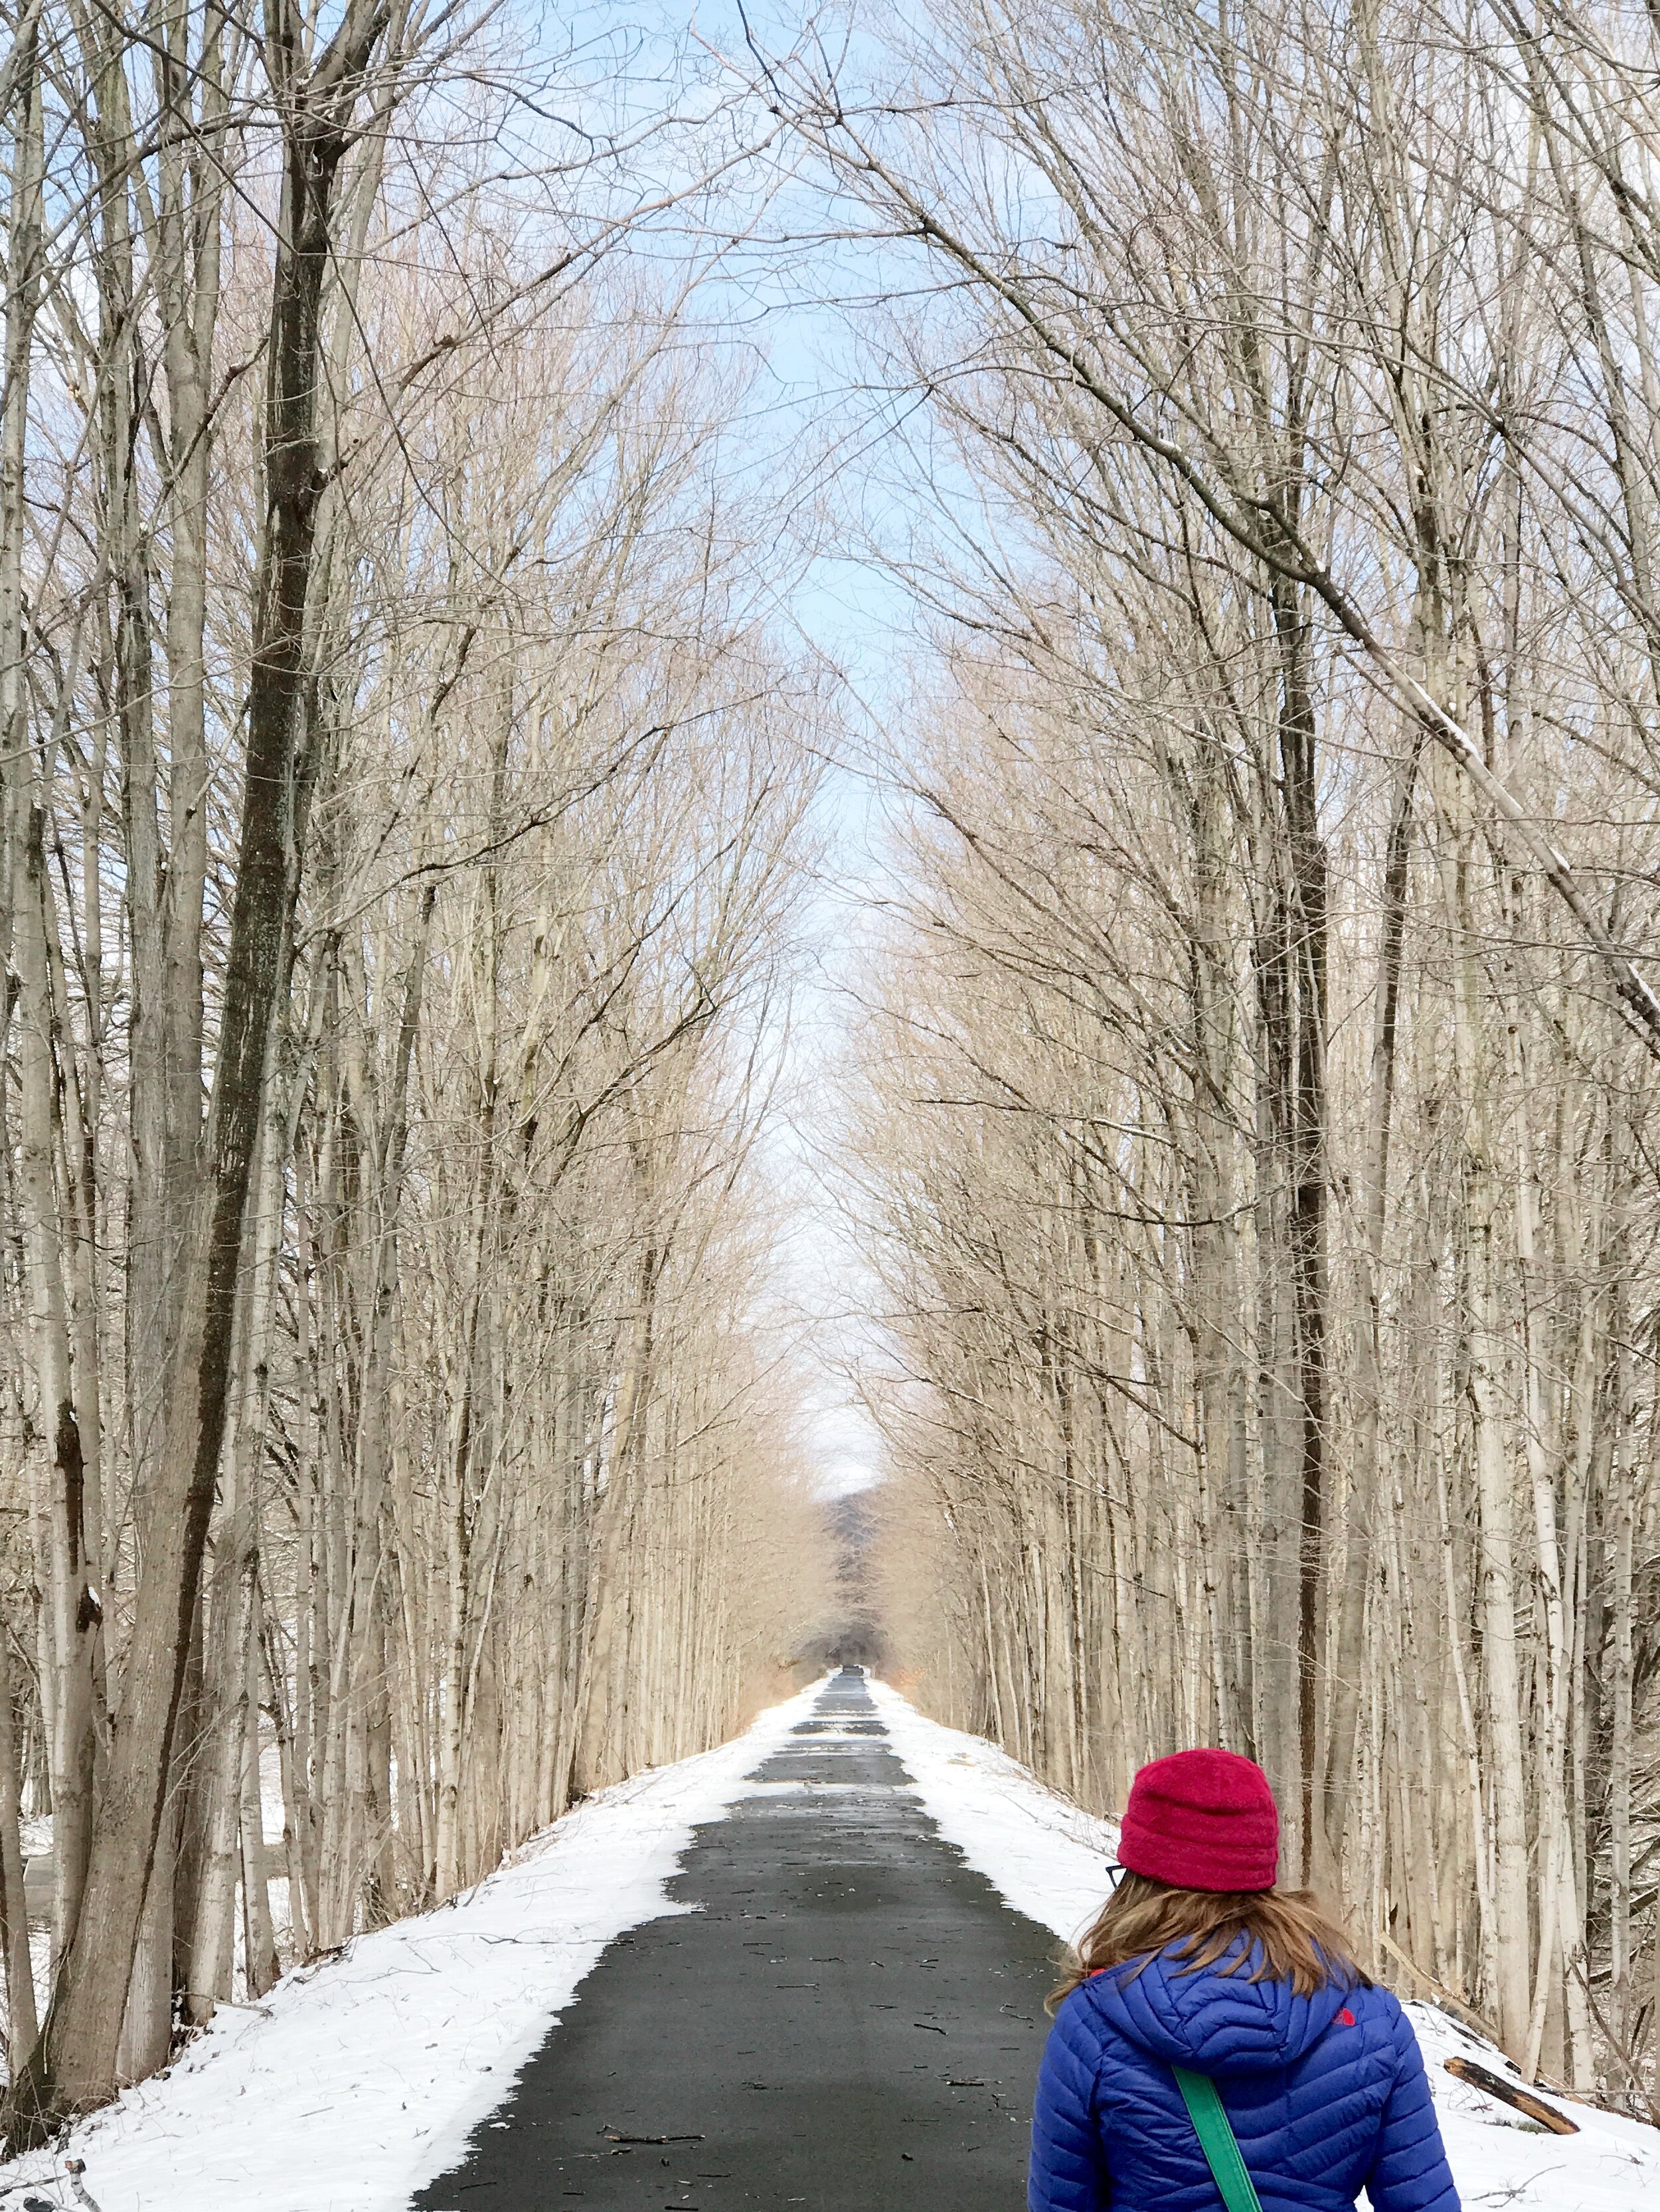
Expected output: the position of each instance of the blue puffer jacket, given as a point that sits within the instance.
(1327, 2095)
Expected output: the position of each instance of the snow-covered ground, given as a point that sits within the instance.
(1048, 1859)
(359, 2079)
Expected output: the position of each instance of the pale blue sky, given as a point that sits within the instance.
(817, 432)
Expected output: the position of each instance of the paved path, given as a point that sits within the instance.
(851, 2021)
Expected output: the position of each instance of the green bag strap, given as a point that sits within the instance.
(1218, 2141)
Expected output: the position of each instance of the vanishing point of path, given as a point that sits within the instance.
(850, 2020)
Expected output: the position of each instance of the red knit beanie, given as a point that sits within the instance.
(1202, 1820)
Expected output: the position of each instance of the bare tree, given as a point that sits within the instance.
(400, 836)
(1250, 1023)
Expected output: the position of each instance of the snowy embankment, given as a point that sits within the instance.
(359, 2079)
(1047, 1858)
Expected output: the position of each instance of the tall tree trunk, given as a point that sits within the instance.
(1349, 1659)
(75, 2062)
(1307, 1160)
(613, 1518)
(22, 2024)
(1510, 1935)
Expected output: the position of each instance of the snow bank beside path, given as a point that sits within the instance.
(359, 2080)
(1048, 1859)
(1045, 1855)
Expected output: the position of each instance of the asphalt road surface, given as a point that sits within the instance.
(850, 2020)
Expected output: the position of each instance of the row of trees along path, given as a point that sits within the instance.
(1258, 1086)
(404, 805)
(399, 848)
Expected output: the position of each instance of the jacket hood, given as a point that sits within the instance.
(1215, 2023)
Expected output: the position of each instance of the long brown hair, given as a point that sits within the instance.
(1285, 1933)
